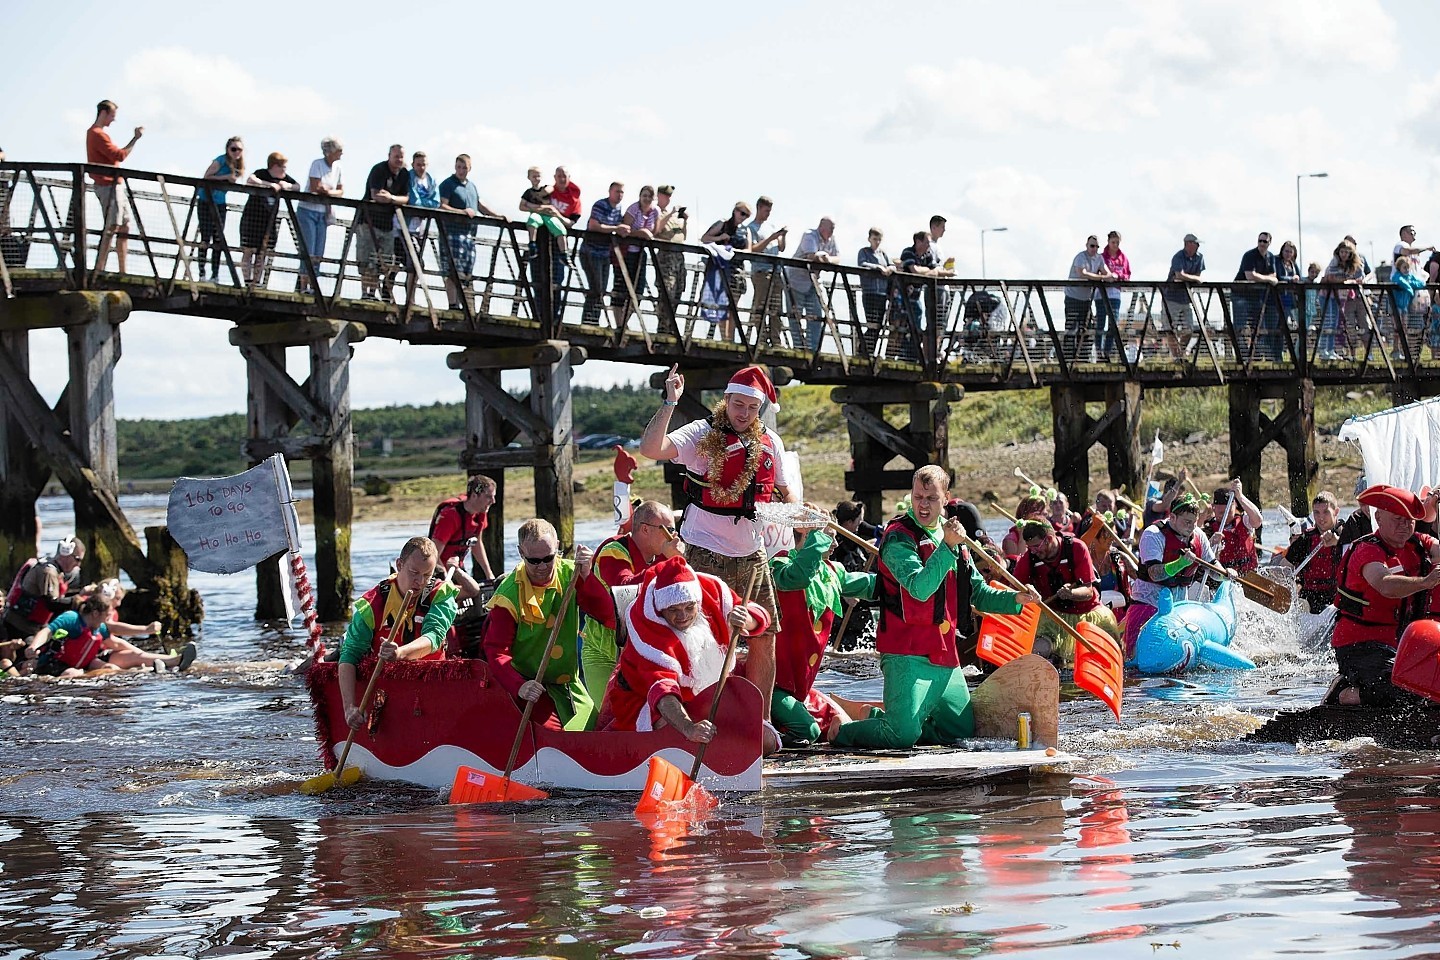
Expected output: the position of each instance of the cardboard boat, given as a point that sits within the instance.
(431, 717)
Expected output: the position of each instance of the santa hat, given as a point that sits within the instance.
(1401, 502)
(674, 582)
(754, 382)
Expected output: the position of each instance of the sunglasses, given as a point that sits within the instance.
(235, 149)
(540, 561)
(659, 526)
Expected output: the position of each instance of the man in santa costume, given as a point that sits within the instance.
(732, 462)
(680, 628)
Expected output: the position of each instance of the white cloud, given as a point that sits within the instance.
(176, 88)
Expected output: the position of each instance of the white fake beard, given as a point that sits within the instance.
(707, 658)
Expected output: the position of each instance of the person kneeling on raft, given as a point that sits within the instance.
(1060, 569)
(680, 626)
(927, 585)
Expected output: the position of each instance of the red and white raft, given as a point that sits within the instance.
(431, 717)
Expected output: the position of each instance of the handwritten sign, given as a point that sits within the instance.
(228, 524)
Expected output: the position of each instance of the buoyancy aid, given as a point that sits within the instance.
(1173, 547)
(1237, 544)
(929, 627)
(1048, 576)
(698, 488)
(380, 599)
(72, 642)
(1320, 575)
(32, 606)
(466, 533)
(1360, 603)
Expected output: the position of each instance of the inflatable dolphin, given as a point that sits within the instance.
(1186, 633)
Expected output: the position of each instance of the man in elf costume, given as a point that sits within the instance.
(620, 562)
(523, 612)
(404, 617)
(809, 587)
(926, 585)
(1059, 567)
(680, 627)
(732, 462)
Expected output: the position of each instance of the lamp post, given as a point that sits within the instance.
(983, 231)
(1299, 232)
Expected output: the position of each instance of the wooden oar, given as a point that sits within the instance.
(724, 675)
(1311, 556)
(530, 704)
(1263, 590)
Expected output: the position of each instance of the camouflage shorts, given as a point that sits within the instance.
(737, 571)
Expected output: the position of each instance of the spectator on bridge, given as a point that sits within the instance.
(1087, 265)
(1255, 310)
(1119, 266)
(1344, 310)
(565, 196)
(387, 187)
(1287, 272)
(641, 217)
(725, 273)
(875, 292)
(920, 260)
(816, 246)
(257, 220)
(425, 194)
(671, 227)
(1185, 268)
(229, 167)
(536, 203)
(100, 149)
(326, 179)
(1364, 262)
(1412, 303)
(1408, 247)
(606, 217)
(457, 253)
(947, 264)
(768, 305)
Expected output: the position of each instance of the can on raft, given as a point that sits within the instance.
(1022, 733)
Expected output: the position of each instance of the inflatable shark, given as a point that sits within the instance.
(1187, 633)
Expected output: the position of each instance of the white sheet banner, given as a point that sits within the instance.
(227, 524)
(1400, 446)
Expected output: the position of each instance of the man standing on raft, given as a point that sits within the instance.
(926, 585)
(732, 462)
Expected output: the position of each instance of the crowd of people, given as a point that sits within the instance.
(786, 300)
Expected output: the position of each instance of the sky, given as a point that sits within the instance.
(1053, 120)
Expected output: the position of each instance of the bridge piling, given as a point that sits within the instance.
(1076, 431)
(22, 475)
(1252, 430)
(875, 441)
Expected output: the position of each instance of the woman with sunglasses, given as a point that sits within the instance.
(229, 167)
(258, 219)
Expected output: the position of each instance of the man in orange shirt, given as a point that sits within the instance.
(100, 149)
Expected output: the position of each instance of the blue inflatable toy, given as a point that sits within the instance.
(1187, 633)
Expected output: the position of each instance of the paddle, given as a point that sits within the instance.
(1099, 661)
(666, 784)
(1263, 590)
(1308, 557)
(530, 793)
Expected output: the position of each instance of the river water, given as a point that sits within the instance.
(154, 816)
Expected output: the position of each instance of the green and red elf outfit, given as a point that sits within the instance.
(522, 615)
(384, 603)
(926, 589)
(808, 591)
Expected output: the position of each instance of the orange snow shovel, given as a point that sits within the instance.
(477, 786)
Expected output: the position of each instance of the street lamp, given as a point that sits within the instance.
(984, 231)
(1299, 233)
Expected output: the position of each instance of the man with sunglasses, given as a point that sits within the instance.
(1255, 306)
(523, 611)
(622, 561)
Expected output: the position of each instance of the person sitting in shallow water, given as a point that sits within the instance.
(79, 640)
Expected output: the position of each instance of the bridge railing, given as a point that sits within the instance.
(642, 298)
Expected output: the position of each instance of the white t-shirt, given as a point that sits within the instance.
(727, 536)
(1151, 550)
(330, 177)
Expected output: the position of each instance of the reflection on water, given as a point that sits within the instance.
(155, 816)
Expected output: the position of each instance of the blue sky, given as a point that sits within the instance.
(1054, 120)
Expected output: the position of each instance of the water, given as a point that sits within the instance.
(154, 816)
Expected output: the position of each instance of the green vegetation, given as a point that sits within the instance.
(426, 440)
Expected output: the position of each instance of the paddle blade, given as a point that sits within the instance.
(1266, 592)
(327, 781)
(1100, 666)
(477, 786)
(666, 783)
(1007, 636)
(1417, 661)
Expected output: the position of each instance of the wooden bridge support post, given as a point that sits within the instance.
(874, 441)
(1252, 430)
(1076, 431)
(22, 475)
(94, 349)
(555, 455)
(487, 429)
(333, 477)
(266, 416)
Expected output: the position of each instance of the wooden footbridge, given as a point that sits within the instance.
(899, 350)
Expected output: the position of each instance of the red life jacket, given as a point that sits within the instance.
(1365, 614)
(75, 649)
(697, 487)
(1067, 526)
(471, 525)
(800, 644)
(403, 633)
(1047, 576)
(927, 628)
(1237, 545)
(1319, 575)
(1173, 546)
(32, 606)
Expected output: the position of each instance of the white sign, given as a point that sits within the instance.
(228, 524)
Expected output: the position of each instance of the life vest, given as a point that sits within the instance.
(71, 646)
(1320, 574)
(928, 628)
(471, 524)
(1066, 527)
(698, 489)
(32, 606)
(1048, 576)
(1237, 544)
(1173, 546)
(378, 597)
(1377, 617)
